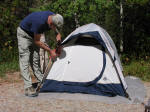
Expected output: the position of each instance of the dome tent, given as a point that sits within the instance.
(89, 63)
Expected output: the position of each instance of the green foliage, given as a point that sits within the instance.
(102, 12)
(85, 11)
(11, 13)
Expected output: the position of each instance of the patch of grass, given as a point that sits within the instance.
(139, 68)
(8, 67)
(8, 61)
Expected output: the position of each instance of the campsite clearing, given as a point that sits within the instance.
(12, 99)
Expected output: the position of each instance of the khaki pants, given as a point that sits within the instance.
(28, 56)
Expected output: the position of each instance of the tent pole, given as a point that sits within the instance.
(126, 94)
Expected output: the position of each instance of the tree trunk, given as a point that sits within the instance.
(121, 27)
(76, 20)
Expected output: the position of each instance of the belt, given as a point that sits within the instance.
(28, 32)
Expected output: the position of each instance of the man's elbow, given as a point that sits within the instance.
(37, 39)
(37, 43)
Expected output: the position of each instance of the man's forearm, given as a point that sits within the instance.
(39, 43)
(43, 45)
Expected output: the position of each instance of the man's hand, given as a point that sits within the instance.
(58, 37)
(53, 54)
(59, 50)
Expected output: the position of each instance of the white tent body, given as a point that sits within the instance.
(87, 68)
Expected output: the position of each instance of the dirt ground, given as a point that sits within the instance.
(12, 99)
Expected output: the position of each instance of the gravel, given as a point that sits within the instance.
(12, 99)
